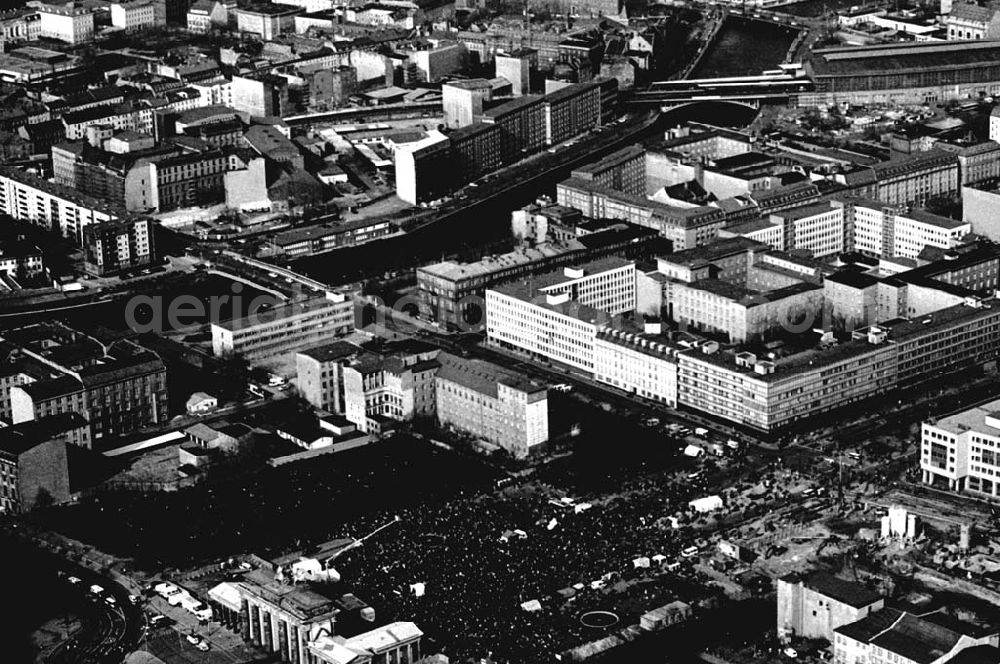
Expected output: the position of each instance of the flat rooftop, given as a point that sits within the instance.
(901, 58)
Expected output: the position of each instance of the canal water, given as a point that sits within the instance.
(745, 48)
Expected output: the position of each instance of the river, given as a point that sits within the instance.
(744, 48)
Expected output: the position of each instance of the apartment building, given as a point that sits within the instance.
(284, 328)
(623, 170)
(113, 246)
(207, 15)
(812, 606)
(571, 110)
(475, 151)
(51, 206)
(118, 387)
(68, 23)
(261, 95)
(492, 404)
(522, 127)
(120, 117)
(33, 466)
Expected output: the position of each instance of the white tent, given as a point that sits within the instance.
(706, 504)
(552, 524)
(659, 558)
(582, 507)
(418, 589)
(693, 451)
(642, 561)
(531, 605)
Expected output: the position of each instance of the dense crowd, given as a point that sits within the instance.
(449, 536)
(476, 582)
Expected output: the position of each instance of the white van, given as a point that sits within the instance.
(690, 552)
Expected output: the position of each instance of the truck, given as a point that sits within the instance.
(701, 431)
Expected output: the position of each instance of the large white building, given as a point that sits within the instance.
(68, 23)
(556, 315)
(134, 14)
(817, 228)
(640, 363)
(884, 230)
(51, 206)
(961, 452)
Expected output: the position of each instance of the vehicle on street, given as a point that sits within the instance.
(790, 653)
(111, 601)
(202, 646)
(74, 580)
(96, 589)
(193, 639)
(690, 552)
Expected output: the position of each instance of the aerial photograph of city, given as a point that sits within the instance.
(500, 331)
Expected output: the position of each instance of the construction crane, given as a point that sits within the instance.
(311, 569)
(358, 542)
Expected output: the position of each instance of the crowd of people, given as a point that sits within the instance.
(450, 536)
(476, 580)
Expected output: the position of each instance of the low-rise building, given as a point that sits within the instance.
(284, 328)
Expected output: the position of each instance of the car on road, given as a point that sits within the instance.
(111, 601)
(96, 589)
(193, 639)
(202, 646)
(562, 387)
(791, 653)
(160, 620)
(166, 590)
(74, 580)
